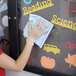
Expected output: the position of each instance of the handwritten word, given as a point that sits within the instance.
(27, 2)
(64, 23)
(38, 6)
(51, 48)
(70, 45)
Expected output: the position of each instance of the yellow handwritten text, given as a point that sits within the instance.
(63, 22)
(38, 6)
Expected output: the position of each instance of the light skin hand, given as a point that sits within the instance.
(18, 65)
(36, 32)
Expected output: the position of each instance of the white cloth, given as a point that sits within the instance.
(40, 41)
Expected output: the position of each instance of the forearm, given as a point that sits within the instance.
(23, 58)
(7, 62)
(18, 65)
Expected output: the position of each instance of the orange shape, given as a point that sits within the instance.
(48, 63)
(71, 60)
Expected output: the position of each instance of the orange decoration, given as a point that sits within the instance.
(48, 63)
(71, 60)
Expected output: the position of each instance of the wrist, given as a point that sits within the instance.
(30, 41)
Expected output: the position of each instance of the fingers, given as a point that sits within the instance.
(41, 24)
(37, 23)
(44, 32)
(29, 26)
(44, 28)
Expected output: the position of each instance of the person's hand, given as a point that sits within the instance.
(37, 31)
